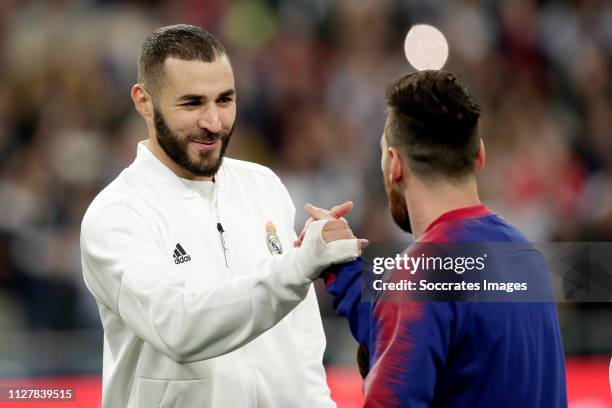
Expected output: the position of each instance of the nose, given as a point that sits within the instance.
(210, 120)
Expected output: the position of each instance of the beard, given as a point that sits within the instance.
(206, 163)
(398, 207)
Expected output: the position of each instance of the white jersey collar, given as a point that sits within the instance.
(152, 171)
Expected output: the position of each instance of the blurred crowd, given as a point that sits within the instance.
(311, 78)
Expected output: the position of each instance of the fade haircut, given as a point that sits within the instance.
(181, 41)
(433, 119)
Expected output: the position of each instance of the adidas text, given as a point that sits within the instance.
(182, 259)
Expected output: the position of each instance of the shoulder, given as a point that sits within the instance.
(252, 176)
(486, 228)
(248, 168)
(506, 229)
(255, 178)
(115, 205)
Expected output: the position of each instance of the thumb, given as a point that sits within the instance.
(362, 243)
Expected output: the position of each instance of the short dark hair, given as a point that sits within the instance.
(181, 41)
(433, 119)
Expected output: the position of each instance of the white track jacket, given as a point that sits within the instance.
(190, 324)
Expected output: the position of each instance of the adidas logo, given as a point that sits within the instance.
(180, 255)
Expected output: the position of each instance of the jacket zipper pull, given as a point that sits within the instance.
(221, 231)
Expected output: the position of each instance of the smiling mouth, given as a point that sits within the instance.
(206, 144)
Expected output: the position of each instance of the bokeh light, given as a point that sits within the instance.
(426, 47)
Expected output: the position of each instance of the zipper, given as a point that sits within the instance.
(215, 208)
(223, 245)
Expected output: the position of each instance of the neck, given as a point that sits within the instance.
(161, 155)
(426, 203)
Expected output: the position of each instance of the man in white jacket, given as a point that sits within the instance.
(203, 299)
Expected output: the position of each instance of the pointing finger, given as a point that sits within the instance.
(341, 210)
(317, 213)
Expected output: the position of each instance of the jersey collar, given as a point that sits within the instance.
(149, 169)
(459, 213)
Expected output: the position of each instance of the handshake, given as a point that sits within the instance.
(327, 239)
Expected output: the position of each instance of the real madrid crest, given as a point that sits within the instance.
(274, 244)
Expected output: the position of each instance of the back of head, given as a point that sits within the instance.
(433, 120)
(181, 41)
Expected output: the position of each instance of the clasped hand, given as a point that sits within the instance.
(336, 228)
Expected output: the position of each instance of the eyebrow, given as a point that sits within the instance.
(198, 97)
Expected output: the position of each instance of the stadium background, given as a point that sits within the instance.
(311, 76)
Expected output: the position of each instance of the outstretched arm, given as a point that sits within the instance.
(127, 273)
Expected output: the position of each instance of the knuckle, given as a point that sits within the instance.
(333, 224)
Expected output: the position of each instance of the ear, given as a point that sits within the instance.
(396, 166)
(481, 158)
(142, 101)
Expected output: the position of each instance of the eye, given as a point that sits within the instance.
(191, 104)
(224, 100)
